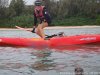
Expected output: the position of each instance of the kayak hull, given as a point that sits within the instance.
(23, 42)
(53, 42)
(75, 40)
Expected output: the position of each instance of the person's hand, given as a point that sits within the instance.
(34, 27)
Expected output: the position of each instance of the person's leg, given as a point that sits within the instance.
(37, 32)
(40, 29)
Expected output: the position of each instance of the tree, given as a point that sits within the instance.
(4, 3)
(17, 7)
(3, 7)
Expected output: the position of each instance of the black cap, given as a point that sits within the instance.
(37, 3)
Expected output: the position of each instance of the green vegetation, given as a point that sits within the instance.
(27, 21)
(98, 20)
(23, 20)
(63, 13)
(75, 21)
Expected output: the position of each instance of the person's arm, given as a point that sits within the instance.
(35, 23)
(35, 20)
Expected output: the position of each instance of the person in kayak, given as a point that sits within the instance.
(40, 14)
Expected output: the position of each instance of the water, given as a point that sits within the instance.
(59, 61)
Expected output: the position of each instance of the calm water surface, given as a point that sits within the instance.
(60, 61)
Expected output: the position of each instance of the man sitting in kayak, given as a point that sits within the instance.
(40, 14)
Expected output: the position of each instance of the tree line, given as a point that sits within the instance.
(59, 9)
(66, 8)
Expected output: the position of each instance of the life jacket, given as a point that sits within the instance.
(39, 11)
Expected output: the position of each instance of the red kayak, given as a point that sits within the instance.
(53, 42)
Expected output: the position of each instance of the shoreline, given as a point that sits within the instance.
(56, 27)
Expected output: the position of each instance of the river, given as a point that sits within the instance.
(67, 60)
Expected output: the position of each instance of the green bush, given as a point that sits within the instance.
(74, 21)
(98, 20)
(24, 21)
(28, 20)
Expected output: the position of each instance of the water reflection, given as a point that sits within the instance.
(60, 59)
(43, 63)
(90, 48)
(12, 66)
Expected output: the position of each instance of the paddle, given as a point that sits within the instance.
(60, 34)
(18, 27)
(21, 28)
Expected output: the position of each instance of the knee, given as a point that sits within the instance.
(45, 24)
(38, 29)
(39, 26)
